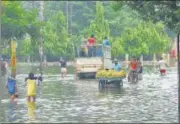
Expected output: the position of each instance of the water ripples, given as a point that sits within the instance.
(154, 99)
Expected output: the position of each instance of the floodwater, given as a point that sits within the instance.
(154, 99)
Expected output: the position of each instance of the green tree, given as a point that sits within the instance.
(24, 44)
(117, 47)
(119, 20)
(78, 12)
(15, 20)
(55, 35)
(99, 26)
(166, 11)
(146, 38)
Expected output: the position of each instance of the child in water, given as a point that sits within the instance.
(31, 83)
(12, 87)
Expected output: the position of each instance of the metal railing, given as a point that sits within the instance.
(89, 50)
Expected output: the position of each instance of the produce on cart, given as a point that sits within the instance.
(110, 74)
(110, 77)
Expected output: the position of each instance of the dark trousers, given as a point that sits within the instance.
(91, 51)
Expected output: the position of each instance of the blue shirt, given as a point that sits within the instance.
(117, 67)
(11, 83)
(106, 42)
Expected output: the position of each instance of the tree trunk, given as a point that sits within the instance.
(141, 59)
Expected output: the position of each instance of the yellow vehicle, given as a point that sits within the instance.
(91, 58)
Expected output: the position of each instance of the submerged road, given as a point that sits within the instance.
(155, 99)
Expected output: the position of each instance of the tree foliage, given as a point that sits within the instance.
(24, 46)
(15, 20)
(55, 36)
(145, 39)
(99, 26)
(124, 18)
(136, 28)
(166, 11)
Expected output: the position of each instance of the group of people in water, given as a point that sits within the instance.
(134, 66)
(31, 81)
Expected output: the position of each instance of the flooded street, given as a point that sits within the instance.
(155, 99)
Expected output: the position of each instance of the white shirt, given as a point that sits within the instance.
(162, 64)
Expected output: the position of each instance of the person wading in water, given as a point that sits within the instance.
(12, 87)
(63, 67)
(31, 82)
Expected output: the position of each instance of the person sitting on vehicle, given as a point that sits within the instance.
(83, 51)
(84, 40)
(116, 66)
(133, 67)
(106, 42)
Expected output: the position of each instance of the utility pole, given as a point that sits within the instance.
(41, 17)
(71, 31)
(178, 64)
(0, 46)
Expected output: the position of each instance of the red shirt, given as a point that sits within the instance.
(133, 65)
(91, 41)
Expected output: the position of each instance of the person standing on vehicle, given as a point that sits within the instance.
(63, 67)
(92, 40)
(91, 43)
(133, 67)
(83, 47)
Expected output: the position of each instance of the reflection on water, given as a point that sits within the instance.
(11, 113)
(154, 100)
(31, 110)
(112, 90)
